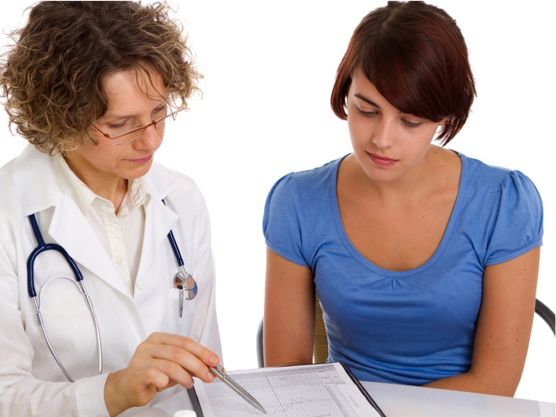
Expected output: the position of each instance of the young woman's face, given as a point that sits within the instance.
(135, 99)
(386, 143)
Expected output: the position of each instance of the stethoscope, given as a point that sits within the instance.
(183, 281)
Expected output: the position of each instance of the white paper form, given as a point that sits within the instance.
(298, 391)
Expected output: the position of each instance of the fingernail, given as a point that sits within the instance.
(214, 359)
(210, 376)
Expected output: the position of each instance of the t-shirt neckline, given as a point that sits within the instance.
(344, 238)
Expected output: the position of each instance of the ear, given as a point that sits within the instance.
(439, 127)
(442, 123)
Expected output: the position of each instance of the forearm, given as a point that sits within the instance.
(503, 329)
(272, 360)
(287, 342)
(473, 382)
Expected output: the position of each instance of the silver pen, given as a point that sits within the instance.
(219, 372)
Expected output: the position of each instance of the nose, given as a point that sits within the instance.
(384, 133)
(151, 138)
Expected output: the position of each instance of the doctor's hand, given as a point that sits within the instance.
(161, 361)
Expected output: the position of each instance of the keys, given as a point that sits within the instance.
(178, 283)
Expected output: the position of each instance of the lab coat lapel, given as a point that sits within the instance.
(159, 220)
(69, 229)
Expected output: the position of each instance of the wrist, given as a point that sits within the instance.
(113, 397)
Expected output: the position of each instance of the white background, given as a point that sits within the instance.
(269, 67)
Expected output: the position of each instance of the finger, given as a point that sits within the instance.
(204, 354)
(174, 373)
(183, 358)
(153, 376)
(140, 386)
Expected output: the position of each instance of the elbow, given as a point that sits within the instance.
(497, 383)
(273, 358)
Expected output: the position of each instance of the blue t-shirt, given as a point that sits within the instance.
(413, 326)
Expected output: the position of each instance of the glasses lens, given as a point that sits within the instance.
(125, 135)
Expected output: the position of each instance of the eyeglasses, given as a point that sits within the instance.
(119, 136)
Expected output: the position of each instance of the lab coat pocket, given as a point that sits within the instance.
(183, 323)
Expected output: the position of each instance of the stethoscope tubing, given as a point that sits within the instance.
(186, 284)
(175, 249)
(183, 279)
(43, 247)
(174, 246)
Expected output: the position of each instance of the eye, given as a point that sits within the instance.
(411, 124)
(116, 125)
(367, 113)
(159, 111)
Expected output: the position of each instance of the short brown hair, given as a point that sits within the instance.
(51, 78)
(416, 57)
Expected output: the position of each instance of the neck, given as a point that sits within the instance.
(109, 187)
(412, 187)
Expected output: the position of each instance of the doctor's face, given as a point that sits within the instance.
(135, 98)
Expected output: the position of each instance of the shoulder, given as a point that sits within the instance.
(503, 209)
(165, 183)
(182, 197)
(307, 184)
(26, 182)
(478, 171)
(21, 182)
(482, 177)
(25, 161)
(301, 200)
(298, 210)
(7, 178)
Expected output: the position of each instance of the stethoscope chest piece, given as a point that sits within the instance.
(183, 281)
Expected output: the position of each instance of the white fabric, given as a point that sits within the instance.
(121, 234)
(31, 384)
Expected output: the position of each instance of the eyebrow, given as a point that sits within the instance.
(366, 100)
(372, 103)
(132, 116)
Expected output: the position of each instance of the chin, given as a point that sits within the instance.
(138, 172)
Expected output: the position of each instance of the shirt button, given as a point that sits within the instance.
(118, 261)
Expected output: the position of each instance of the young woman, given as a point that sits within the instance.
(424, 260)
(91, 86)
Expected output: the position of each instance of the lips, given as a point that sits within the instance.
(381, 160)
(141, 160)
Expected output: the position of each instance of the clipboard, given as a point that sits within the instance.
(196, 402)
(362, 389)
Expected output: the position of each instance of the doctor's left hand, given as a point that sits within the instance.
(161, 361)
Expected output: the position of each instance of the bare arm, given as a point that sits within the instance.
(503, 328)
(289, 312)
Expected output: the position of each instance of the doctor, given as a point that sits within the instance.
(91, 86)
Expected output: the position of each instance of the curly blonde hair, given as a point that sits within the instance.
(51, 77)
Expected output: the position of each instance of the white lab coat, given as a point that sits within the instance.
(31, 383)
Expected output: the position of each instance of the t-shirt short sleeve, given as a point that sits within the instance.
(519, 223)
(282, 221)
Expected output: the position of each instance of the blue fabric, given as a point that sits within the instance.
(414, 326)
